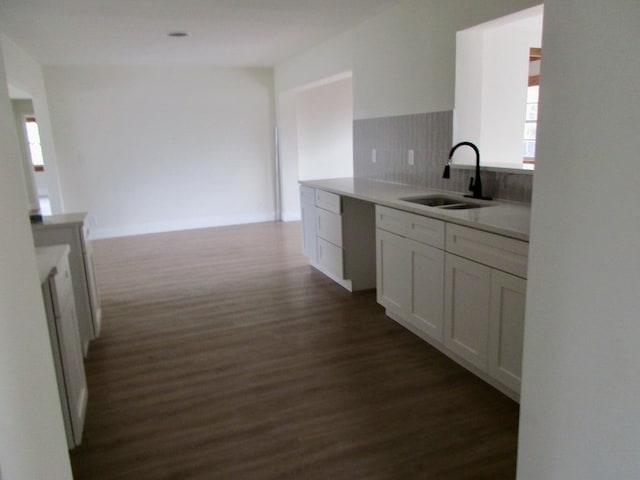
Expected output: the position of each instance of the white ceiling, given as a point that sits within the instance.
(134, 32)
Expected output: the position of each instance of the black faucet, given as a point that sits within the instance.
(475, 185)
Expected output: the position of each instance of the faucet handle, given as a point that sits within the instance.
(471, 185)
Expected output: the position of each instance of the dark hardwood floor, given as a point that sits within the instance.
(224, 355)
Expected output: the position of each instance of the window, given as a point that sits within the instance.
(530, 125)
(34, 144)
(531, 117)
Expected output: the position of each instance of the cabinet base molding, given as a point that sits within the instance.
(456, 358)
(348, 284)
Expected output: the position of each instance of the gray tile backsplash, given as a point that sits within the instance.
(429, 135)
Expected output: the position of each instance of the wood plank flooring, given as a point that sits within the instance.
(224, 355)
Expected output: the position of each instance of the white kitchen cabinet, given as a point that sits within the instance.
(427, 289)
(60, 307)
(308, 216)
(410, 273)
(393, 272)
(465, 304)
(485, 302)
(72, 230)
(341, 241)
(466, 311)
(506, 328)
(484, 318)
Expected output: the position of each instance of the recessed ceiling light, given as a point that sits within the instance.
(178, 34)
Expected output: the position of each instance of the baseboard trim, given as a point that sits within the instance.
(142, 229)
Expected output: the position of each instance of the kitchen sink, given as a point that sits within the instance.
(444, 202)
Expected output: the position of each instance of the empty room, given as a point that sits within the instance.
(357, 239)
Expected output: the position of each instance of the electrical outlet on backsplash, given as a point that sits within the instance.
(429, 136)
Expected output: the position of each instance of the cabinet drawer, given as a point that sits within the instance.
(416, 227)
(391, 220)
(330, 258)
(425, 230)
(307, 194)
(328, 201)
(499, 252)
(329, 226)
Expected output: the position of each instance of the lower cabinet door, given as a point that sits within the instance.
(466, 310)
(330, 258)
(506, 328)
(73, 366)
(427, 289)
(393, 272)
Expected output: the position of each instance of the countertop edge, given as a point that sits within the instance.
(448, 216)
(61, 220)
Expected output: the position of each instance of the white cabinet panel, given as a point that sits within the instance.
(330, 258)
(72, 363)
(496, 251)
(391, 220)
(57, 291)
(393, 267)
(90, 274)
(466, 318)
(329, 201)
(309, 241)
(506, 328)
(427, 289)
(307, 194)
(309, 234)
(422, 229)
(329, 226)
(426, 230)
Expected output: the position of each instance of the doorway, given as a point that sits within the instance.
(316, 136)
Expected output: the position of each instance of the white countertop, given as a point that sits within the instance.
(48, 257)
(510, 219)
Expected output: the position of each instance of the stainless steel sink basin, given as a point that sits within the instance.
(444, 202)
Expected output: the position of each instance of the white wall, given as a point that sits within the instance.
(25, 73)
(492, 69)
(32, 438)
(403, 60)
(505, 85)
(580, 414)
(288, 155)
(327, 60)
(316, 136)
(318, 66)
(155, 149)
(325, 130)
